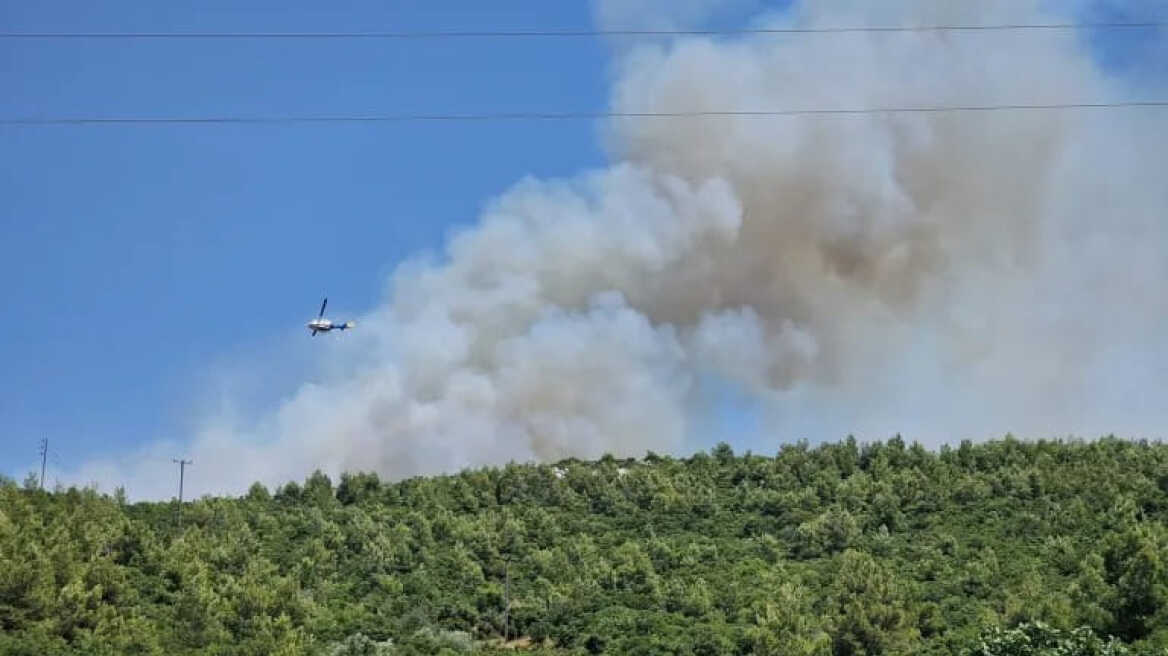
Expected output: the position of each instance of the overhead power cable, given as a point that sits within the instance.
(556, 116)
(581, 33)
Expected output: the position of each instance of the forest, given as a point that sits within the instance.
(1006, 547)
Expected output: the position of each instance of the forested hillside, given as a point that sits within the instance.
(1005, 547)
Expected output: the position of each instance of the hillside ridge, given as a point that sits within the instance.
(841, 548)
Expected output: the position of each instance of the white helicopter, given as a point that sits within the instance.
(322, 325)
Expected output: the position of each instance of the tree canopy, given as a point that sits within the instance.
(1004, 548)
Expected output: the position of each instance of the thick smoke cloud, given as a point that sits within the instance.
(942, 275)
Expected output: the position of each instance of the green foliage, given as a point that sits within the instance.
(1000, 549)
(1038, 639)
(359, 644)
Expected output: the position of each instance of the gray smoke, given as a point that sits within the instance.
(942, 275)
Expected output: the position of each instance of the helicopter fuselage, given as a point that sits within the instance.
(325, 325)
(322, 325)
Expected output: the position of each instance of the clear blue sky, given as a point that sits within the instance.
(139, 256)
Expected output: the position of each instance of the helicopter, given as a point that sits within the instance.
(322, 325)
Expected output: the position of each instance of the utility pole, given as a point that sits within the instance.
(182, 465)
(506, 598)
(44, 457)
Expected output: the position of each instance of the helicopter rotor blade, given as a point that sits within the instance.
(324, 303)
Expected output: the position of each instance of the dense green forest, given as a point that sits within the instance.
(1000, 548)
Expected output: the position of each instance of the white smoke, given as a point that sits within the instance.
(942, 275)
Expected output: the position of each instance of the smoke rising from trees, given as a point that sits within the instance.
(942, 275)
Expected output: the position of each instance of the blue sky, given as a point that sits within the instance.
(142, 258)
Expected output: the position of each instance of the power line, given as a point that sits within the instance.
(561, 116)
(581, 33)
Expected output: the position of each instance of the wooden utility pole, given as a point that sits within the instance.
(182, 465)
(506, 599)
(44, 457)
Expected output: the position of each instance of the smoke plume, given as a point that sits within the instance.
(943, 275)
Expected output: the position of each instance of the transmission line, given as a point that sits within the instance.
(583, 33)
(562, 116)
